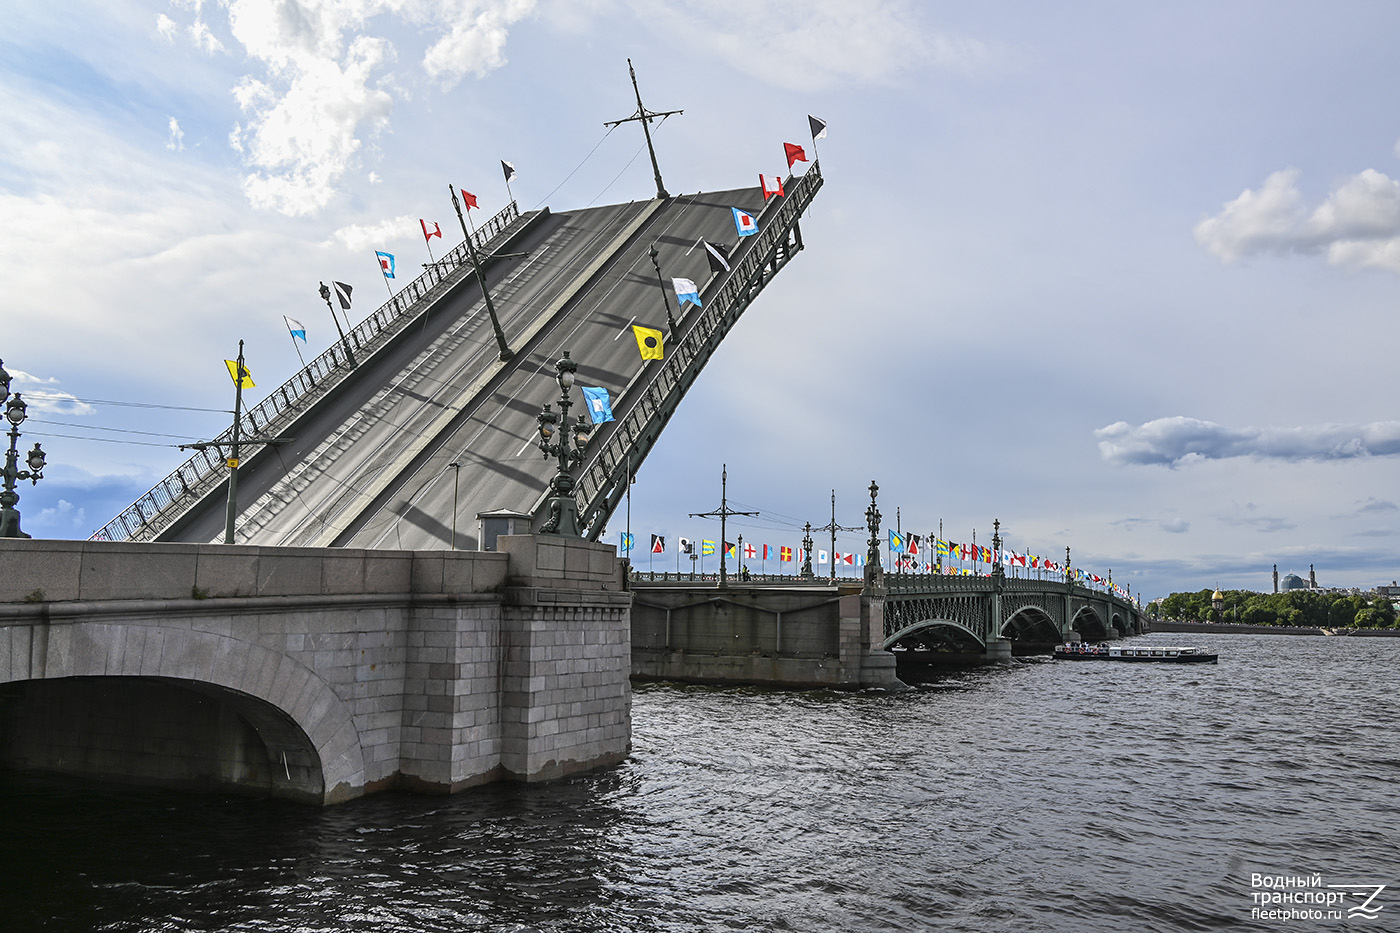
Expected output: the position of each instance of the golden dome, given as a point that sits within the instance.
(1217, 595)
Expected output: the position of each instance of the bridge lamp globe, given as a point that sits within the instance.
(36, 460)
(582, 432)
(547, 420)
(4, 383)
(15, 410)
(567, 368)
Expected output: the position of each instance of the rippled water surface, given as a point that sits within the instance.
(1038, 796)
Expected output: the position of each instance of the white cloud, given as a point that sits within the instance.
(176, 142)
(64, 515)
(302, 140)
(1180, 441)
(204, 39)
(1357, 225)
(166, 27)
(41, 395)
(476, 39)
(361, 237)
(323, 85)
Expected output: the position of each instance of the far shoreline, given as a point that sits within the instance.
(1239, 628)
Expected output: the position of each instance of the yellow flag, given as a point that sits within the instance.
(233, 374)
(648, 341)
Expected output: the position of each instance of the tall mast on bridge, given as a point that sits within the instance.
(645, 116)
(723, 512)
(833, 528)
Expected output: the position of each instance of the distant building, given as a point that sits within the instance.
(1392, 591)
(1294, 582)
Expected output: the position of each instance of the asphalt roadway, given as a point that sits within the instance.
(369, 467)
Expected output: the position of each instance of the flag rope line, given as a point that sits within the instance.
(575, 171)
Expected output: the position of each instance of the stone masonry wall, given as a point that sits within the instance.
(432, 670)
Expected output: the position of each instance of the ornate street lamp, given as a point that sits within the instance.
(563, 508)
(325, 293)
(665, 297)
(506, 352)
(15, 413)
(807, 573)
(873, 572)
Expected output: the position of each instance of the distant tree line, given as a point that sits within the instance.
(1296, 607)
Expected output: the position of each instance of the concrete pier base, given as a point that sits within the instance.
(999, 649)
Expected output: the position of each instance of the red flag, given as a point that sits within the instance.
(468, 199)
(771, 186)
(794, 153)
(435, 232)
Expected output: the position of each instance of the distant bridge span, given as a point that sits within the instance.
(960, 611)
(373, 449)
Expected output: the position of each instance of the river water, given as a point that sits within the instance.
(1035, 796)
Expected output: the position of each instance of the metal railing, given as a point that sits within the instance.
(633, 436)
(166, 500)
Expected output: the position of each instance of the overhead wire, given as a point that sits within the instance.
(103, 401)
(576, 168)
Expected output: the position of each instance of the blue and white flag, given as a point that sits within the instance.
(386, 263)
(599, 408)
(626, 544)
(295, 328)
(686, 290)
(745, 223)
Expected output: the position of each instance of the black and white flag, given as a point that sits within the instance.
(718, 256)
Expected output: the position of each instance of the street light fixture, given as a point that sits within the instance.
(506, 352)
(874, 573)
(15, 413)
(563, 508)
(456, 473)
(665, 297)
(326, 297)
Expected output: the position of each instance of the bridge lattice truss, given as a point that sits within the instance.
(914, 601)
(603, 482)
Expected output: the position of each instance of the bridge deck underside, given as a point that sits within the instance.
(369, 467)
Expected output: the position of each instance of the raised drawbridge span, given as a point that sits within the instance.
(427, 429)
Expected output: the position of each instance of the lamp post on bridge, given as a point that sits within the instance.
(456, 474)
(563, 508)
(505, 351)
(15, 413)
(807, 573)
(325, 293)
(874, 573)
(670, 321)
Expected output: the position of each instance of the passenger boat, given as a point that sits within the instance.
(1168, 654)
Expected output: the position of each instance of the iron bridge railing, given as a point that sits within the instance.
(633, 437)
(155, 511)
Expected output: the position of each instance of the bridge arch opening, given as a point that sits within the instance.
(1031, 625)
(929, 636)
(157, 731)
(1119, 625)
(1088, 624)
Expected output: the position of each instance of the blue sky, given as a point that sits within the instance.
(1121, 276)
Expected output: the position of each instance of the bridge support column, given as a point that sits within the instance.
(998, 648)
(877, 666)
